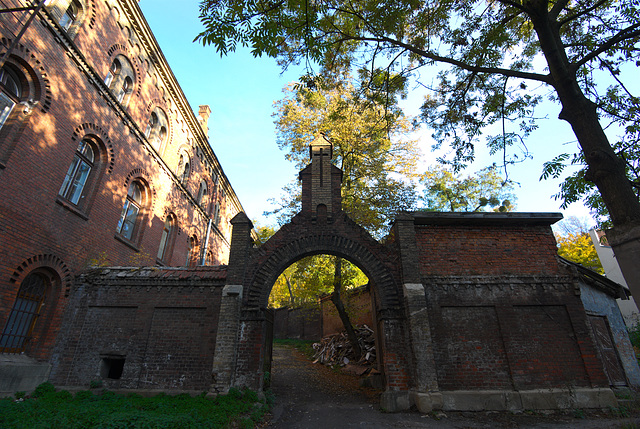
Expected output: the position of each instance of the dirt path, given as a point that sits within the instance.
(311, 396)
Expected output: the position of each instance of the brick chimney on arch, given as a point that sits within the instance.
(321, 182)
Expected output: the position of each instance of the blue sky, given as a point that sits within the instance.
(241, 89)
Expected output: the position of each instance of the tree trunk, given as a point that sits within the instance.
(605, 169)
(335, 298)
(291, 298)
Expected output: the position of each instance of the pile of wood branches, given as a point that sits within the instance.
(336, 349)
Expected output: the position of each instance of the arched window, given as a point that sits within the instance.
(24, 315)
(216, 213)
(114, 71)
(71, 15)
(184, 169)
(153, 123)
(202, 194)
(166, 240)
(75, 181)
(192, 255)
(120, 79)
(130, 216)
(157, 129)
(10, 93)
(125, 89)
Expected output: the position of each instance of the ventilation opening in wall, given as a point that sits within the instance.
(112, 366)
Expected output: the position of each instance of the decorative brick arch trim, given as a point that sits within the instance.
(301, 237)
(91, 13)
(93, 129)
(143, 176)
(120, 49)
(37, 73)
(49, 261)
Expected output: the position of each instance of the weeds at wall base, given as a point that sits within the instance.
(49, 408)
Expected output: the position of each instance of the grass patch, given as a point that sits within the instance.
(304, 346)
(48, 408)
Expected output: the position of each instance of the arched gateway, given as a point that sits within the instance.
(320, 228)
(474, 311)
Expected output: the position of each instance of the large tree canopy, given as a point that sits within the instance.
(494, 55)
(370, 146)
(497, 60)
(446, 191)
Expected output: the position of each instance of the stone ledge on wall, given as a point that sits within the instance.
(537, 399)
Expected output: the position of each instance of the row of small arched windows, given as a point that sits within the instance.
(76, 186)
(120, 80)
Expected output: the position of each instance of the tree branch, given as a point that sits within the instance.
(626, 34)
(570, 18)
(458, 63)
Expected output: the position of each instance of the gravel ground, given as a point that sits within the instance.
(312, 396)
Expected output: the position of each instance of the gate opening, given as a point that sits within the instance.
(337, 330)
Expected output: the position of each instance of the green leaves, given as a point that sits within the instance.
(371, 146)
(446, 191)
(496, 60)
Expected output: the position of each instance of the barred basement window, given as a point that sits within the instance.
(24, 315)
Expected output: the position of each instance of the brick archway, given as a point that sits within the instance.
(242, 354)
(343, 238)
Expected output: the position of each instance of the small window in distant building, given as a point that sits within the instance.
(70, 16)
(74, 182)
(130, 211)
(24, 315)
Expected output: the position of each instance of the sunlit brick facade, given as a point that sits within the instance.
(102, 162)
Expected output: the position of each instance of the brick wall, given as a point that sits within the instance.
(65, 74)
(161, 322)
(487, 250)
(504, 312)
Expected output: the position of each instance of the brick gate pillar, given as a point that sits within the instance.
(425, 396)
(226, 351)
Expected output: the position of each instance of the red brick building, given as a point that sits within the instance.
(102, 162)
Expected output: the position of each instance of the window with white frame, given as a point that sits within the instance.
(120, 79)
(166, 239)
(70, 16)
(130, 216)
(157, 129)
(10, 93)
(75, 181)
